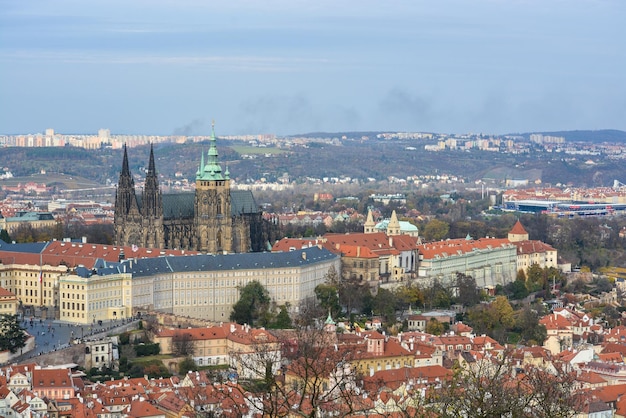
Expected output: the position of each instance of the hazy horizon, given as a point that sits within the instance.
(287, 67)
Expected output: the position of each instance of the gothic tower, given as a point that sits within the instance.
(369, 225)
(128, 223)
(152, 208)
(213, 221)
(393, 227)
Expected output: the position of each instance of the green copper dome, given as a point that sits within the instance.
(212, 169)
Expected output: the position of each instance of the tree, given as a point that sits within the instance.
(352, 295)
(283, 320)
(4, 236)
(328, 297)
(499, 388)
(182, 344)
(252, 305)
(186, 365)
(12, 335)
(409, 295)
(434, 327)
(435, 230)
(527, 324)
(494, 319)
(438, 296)
(467, 290)
(536, 278)
(517, 289)
(602, 285)
(317, 376)
(385, 305)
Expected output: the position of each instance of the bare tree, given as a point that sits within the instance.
(182, 344)
(315, 377)
(495, 387)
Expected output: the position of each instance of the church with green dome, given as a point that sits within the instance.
(214, 219)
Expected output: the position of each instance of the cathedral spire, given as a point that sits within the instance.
(151, 194)
(151, 169)
(125, 196)
(212, 169)
(125, 169)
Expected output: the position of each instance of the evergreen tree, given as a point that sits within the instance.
(253, 304)
(4, 236)
(283, 320)
(12, 335)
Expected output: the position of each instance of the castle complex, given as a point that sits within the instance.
(215, 219)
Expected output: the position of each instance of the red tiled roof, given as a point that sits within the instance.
(518, 229)
(140, 408)
(532, 247)
(46, 378)
(610, 393)
(452, 247)
(5, 293)
(73, 254)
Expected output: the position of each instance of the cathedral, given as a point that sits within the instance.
(214, 219)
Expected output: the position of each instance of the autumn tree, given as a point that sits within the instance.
(435, 230)
(434, 327)
(408, 295)
(494, 319)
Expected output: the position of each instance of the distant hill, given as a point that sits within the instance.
(603, 135)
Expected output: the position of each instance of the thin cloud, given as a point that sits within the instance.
(242, 63)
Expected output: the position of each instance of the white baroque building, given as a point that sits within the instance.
(490, 261)
(198, 286)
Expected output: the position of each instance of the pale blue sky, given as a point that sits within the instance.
(290, 66)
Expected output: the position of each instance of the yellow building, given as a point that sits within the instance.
(375, 352)
(86, 298)
(34, 286)
(530, 252)
(207, 346)
(8, 302)
(36, 220)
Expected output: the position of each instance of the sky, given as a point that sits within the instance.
(171, 67)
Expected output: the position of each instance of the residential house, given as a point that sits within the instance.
(53, 383)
